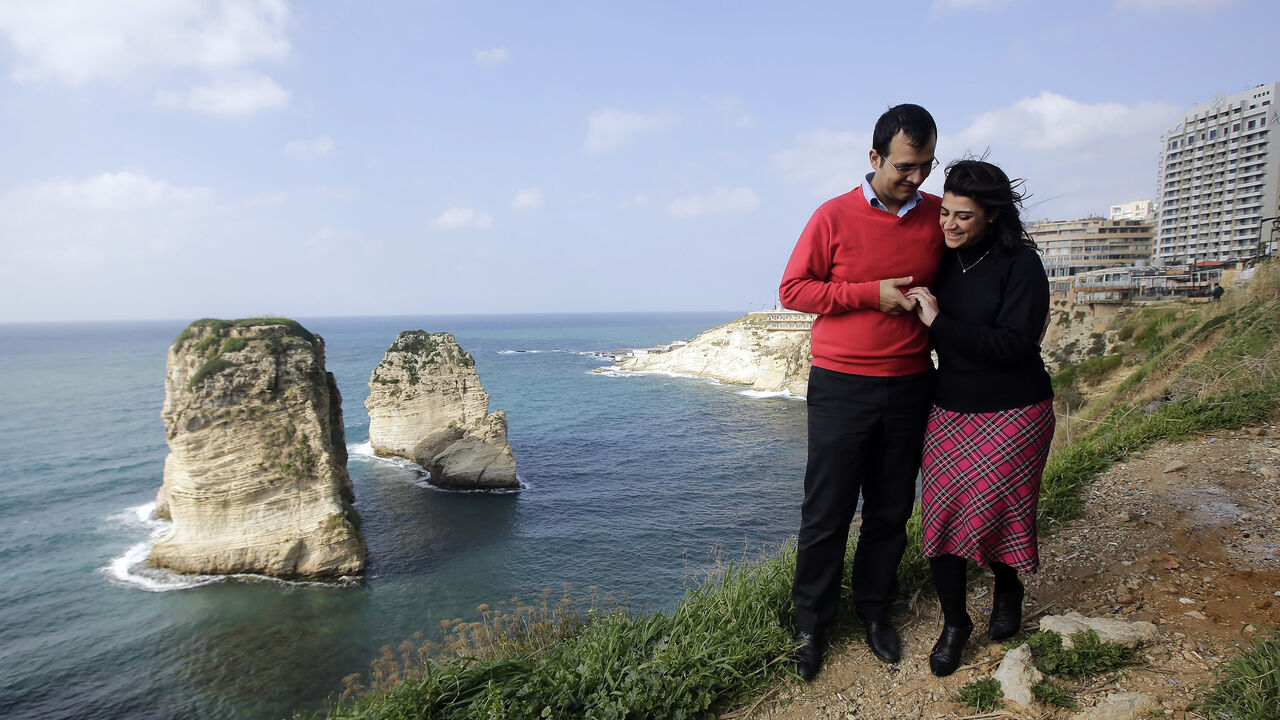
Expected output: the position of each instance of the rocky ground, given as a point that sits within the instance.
(1183, 535)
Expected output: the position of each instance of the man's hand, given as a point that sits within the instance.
(892, 301)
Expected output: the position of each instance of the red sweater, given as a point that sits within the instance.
(847, 248)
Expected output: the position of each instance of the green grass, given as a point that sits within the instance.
(983, 695)
(1248, 686)
(721, 644)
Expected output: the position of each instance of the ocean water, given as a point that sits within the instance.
(633, 483)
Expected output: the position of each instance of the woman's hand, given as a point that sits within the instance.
(926, 304)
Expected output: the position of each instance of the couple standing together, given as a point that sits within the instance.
(892, 272)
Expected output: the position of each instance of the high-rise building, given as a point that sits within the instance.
(1071, 247)
(1219, 177)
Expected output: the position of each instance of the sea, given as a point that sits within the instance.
(634, 485)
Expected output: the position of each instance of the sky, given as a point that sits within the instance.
(175, 159)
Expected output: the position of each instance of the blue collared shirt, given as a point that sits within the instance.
(874, 201)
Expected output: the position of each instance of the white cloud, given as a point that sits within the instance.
(1050, 122)
(490, 57)
(527, 199)
(240, 96)
(308, 149)
(1162, 5)
(828, 162)
(611, 129)
(121, 217)
(719, 201)
(1078, 158)
(462, 218)
(76, 42)
(110, 192)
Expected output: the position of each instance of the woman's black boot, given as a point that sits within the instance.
(1006, 605)
(949, 580)
(945, 657)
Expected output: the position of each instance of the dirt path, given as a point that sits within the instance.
(1185, 536)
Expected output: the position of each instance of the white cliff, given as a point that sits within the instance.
(741, 352)
(426, 404)
(256, 477)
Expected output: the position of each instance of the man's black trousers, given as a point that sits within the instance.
(865, 435)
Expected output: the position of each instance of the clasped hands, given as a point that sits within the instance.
(895, 301)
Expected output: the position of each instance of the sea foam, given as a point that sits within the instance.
(609, 371)
(131, 569)
(364, 451)
(760, 394)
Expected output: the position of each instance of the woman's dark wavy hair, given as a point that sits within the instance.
(991, 189)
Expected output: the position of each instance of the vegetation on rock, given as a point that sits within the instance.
(216, 341)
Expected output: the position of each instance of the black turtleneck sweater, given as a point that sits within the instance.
(992, 309)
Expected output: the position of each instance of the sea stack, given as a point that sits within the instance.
(426, 404)
(256, 478)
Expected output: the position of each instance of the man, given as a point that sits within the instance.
(871, 380)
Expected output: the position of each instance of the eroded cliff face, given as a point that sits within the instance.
(741, 352)
(426, 404)
(256, 477)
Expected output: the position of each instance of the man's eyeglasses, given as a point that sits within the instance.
(908, 169)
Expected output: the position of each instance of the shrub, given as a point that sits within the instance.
(1087, 656)
(982, 695)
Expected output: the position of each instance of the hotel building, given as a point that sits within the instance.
(1219, 177)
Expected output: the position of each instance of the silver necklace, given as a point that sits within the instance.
(964, 269)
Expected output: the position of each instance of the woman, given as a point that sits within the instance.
(992, 418)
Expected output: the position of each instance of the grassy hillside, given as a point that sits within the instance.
(1176, 370)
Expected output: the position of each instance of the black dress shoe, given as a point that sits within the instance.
(945, 657)
(809, 648)
(883, 640)
(1006, 615)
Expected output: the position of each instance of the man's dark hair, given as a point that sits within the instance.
(912, 120)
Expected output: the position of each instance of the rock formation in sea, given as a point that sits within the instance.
(741, 352)
(426, 404)
(256, 477)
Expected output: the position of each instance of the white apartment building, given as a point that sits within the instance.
(1071, 247)
(1219, 177)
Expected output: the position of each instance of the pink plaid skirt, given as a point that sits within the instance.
(982, 482)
